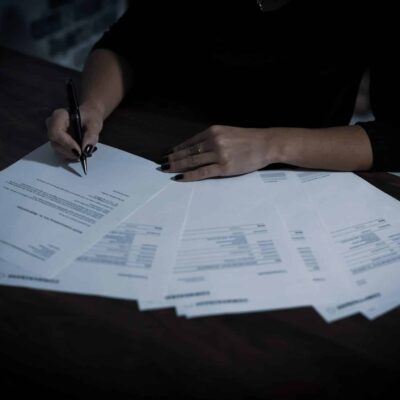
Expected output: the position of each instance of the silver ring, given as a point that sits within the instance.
(195, 150)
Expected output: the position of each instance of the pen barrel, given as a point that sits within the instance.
(75, 119)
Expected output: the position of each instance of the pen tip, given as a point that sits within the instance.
(84, 165)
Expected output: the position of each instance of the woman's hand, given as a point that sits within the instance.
(61, 140)
(222, 151)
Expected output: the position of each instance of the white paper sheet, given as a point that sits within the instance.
(356, 216)
(326, 265)
(50, 214)
(235, 245)
(283, 189)
(266, 240)
(130, 262)
(377, 310)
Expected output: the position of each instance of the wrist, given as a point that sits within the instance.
(278, 146)
(93, 108)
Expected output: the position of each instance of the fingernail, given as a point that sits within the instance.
(165, 166)
(88, 149)
(178, 177)
(94, 149)
(75, 152)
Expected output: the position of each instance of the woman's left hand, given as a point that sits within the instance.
(222, 151)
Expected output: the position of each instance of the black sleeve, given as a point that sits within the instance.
(116, 38)
(134, 36)
(384, 132)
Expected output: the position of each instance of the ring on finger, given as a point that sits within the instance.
(195, 150)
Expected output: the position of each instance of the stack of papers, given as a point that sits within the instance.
(263, 241)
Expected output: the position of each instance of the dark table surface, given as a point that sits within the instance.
(55, 344)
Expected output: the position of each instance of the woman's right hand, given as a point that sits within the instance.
(61, 140)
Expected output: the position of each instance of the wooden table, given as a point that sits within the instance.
(63, 344)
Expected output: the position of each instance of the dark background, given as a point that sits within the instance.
(64, 31)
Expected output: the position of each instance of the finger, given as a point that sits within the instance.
(192, 162)
(91, 137)
(67, 143)
(57, 130)
(200, 137)
(57, 122)
(198, 174)
(201, 147)
(63, 153)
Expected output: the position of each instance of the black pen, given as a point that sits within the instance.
(75, 120)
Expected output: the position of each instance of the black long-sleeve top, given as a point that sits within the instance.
(298, 66)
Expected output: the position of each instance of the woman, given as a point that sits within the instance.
(278, 77)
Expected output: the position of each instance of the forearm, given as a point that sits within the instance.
(344, 148)
(106, 79)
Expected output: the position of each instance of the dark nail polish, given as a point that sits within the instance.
(75, 153)
(165, 166)
(178, 177)
(94, 149)
(88, 149)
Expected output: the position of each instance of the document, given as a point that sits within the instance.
(376, 310)
(234, 245)
(267, 240)
(309, 240)
(365, 240)
(325, 264)
(281, 188)
(50, 214)
(130, 262)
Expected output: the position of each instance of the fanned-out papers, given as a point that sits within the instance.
(268, 240)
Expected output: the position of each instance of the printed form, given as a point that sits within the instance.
(234, 244)
(356, 219)
(282, 188)
(267, 240)
(130, 262)
(50, 214)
